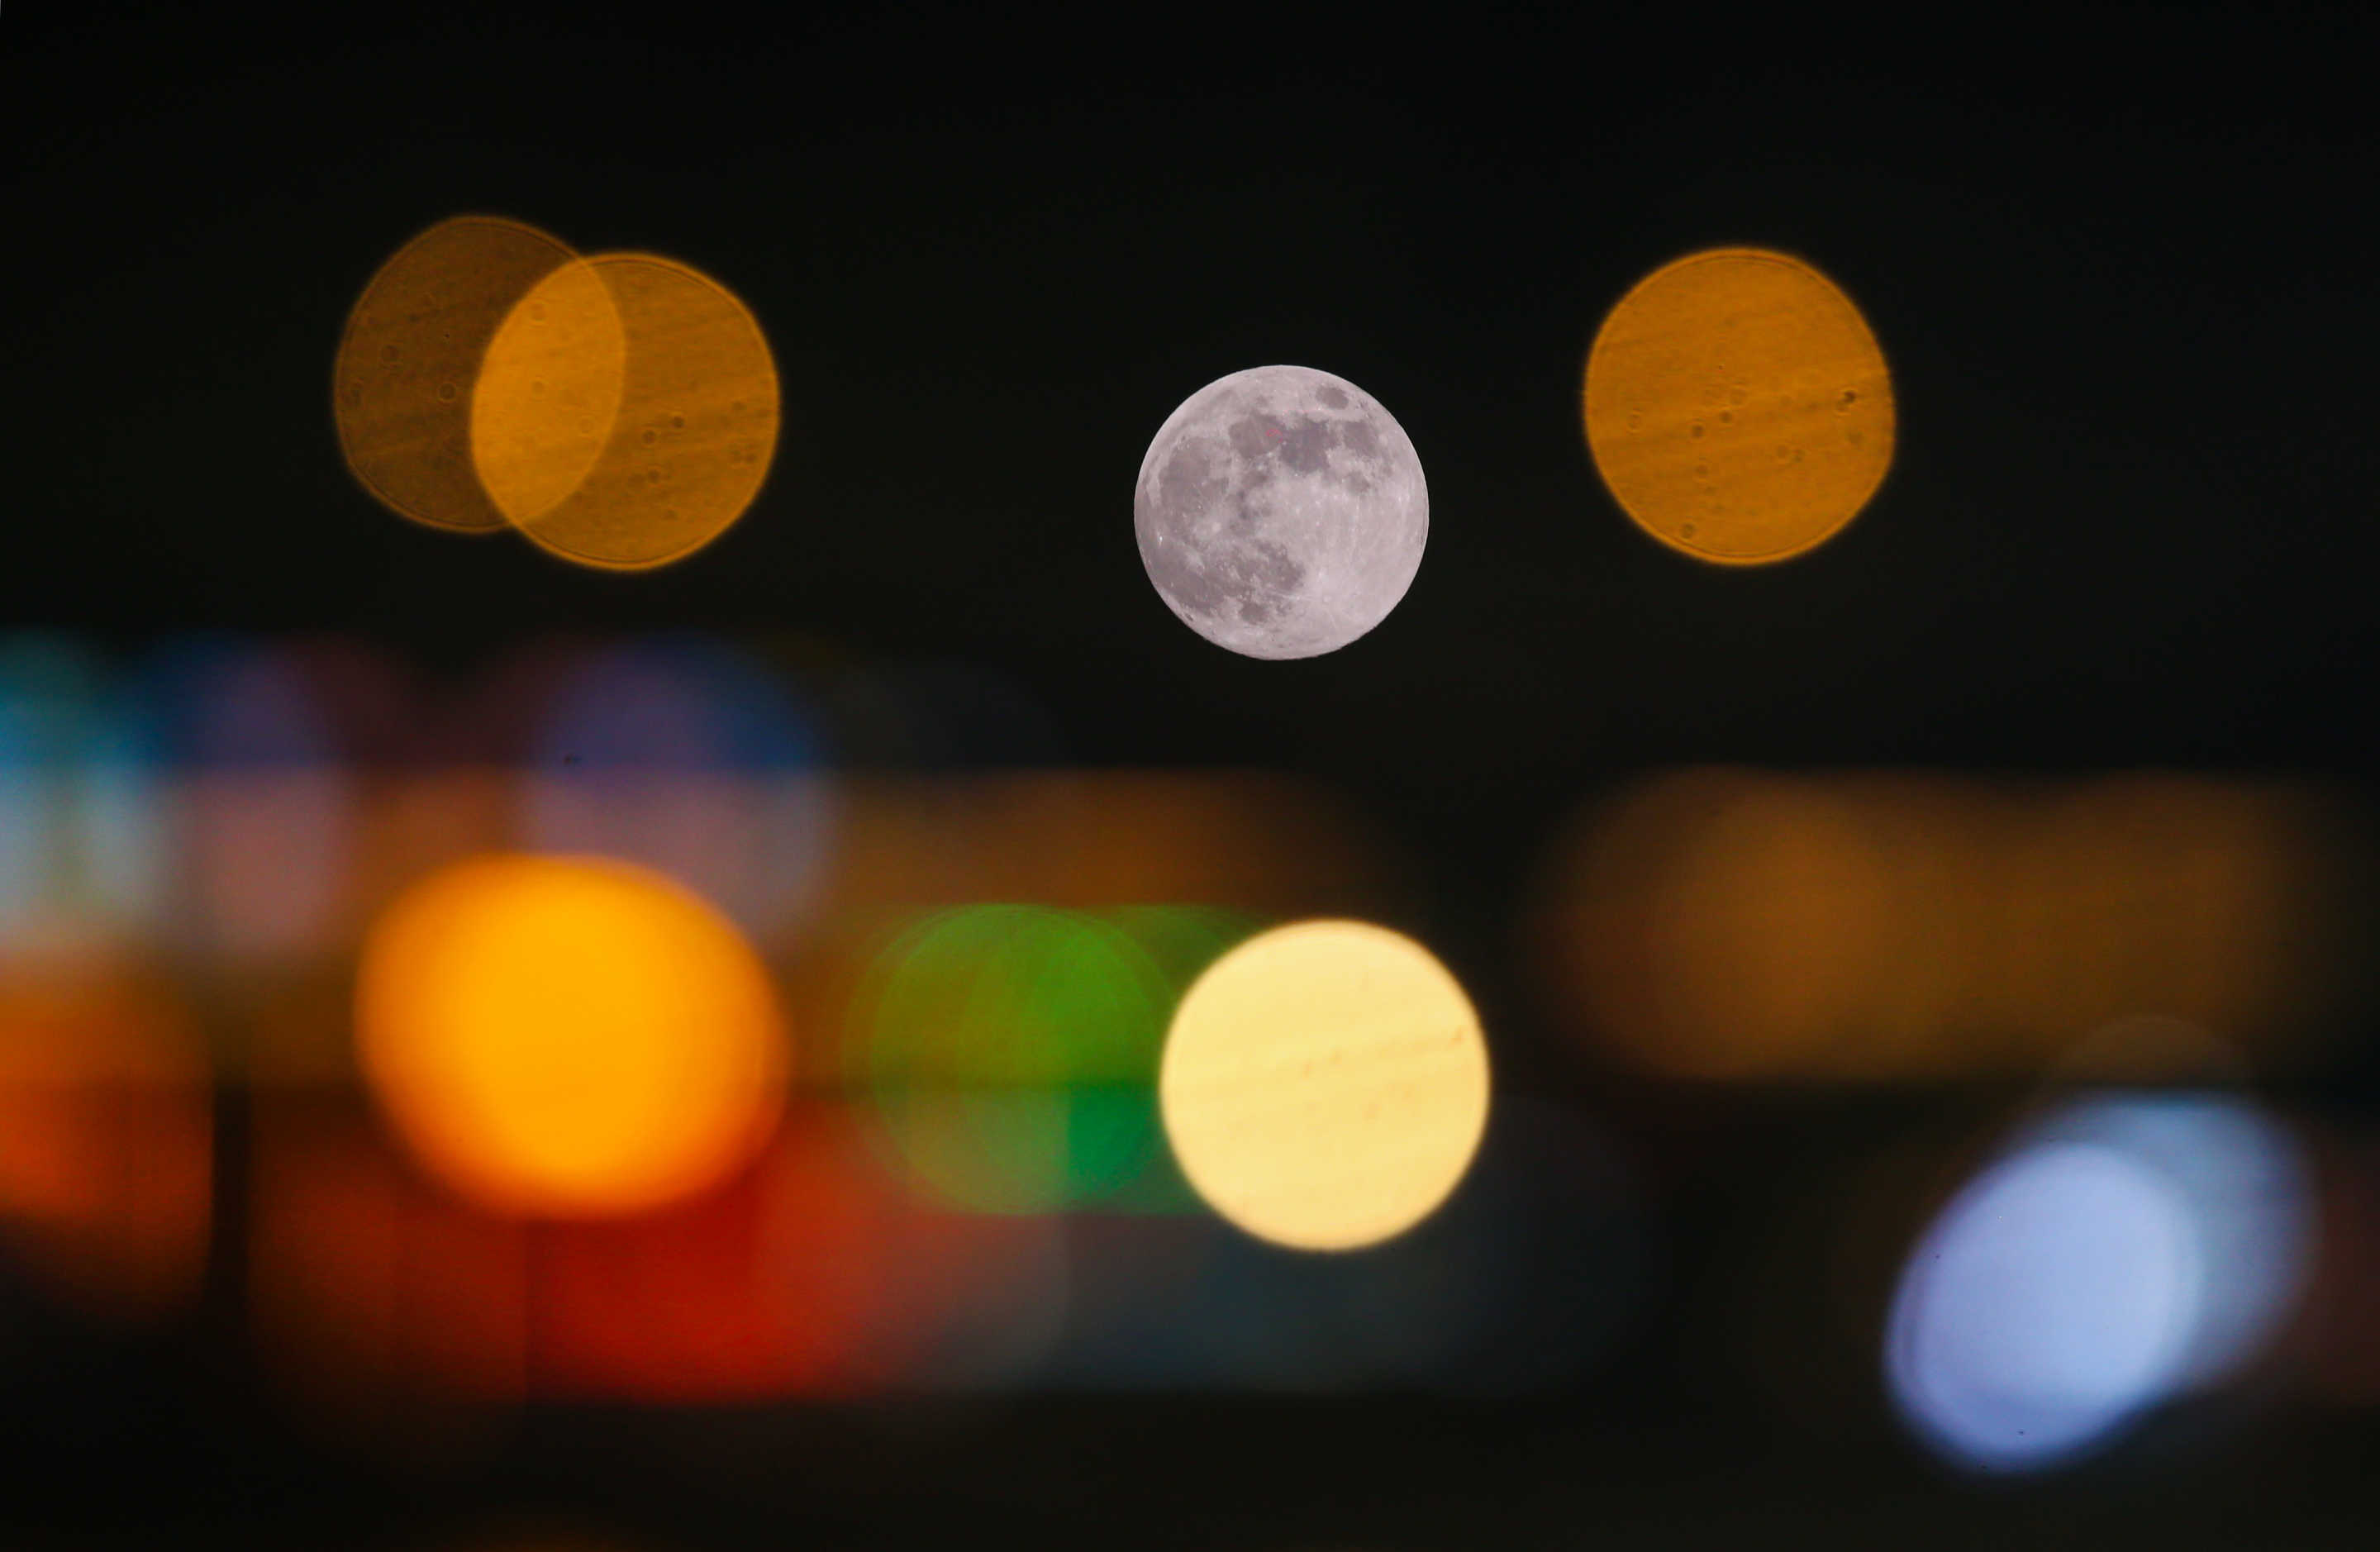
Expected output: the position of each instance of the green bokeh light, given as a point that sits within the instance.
(1012, 1051)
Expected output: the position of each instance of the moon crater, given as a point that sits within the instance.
(1280, 512)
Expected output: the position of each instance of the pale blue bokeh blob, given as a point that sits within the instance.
(2052, 1300)
(2123, 1252)
(2248, 1191)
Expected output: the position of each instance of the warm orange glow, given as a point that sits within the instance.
(1738, 406)
(106, 1139)
(626, 412)
(1325, 1085)
(403, 380)
(1742, 925)
(568, 1036)
(1092, 839)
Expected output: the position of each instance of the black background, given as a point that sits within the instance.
(2117, 261)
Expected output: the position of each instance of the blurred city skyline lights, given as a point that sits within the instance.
(975, 1181)
(156, 795)
(1734, 924)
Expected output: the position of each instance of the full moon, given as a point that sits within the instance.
(1280, 512)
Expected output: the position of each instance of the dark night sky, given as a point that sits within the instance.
(2111, 266)
(2111, 259)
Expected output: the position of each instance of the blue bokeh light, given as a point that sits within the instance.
(2121, 1253)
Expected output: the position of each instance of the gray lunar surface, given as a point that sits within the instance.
(1280, 512)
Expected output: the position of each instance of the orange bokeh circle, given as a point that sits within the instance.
(568, 1036)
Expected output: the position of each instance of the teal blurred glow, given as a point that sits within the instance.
(83, 852)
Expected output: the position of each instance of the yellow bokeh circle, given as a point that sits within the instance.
(568, 1036)
(1324, 1085)
(1738, 406)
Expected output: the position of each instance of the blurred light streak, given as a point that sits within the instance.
(106, 1137)
(1742, 925)
(404, 379)
(1738, 407)
(568, 1036)
(1248, 840)
(625, 413)
(1324, 1084)
(261, 812)
(2121, 1253)
(684, 756)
